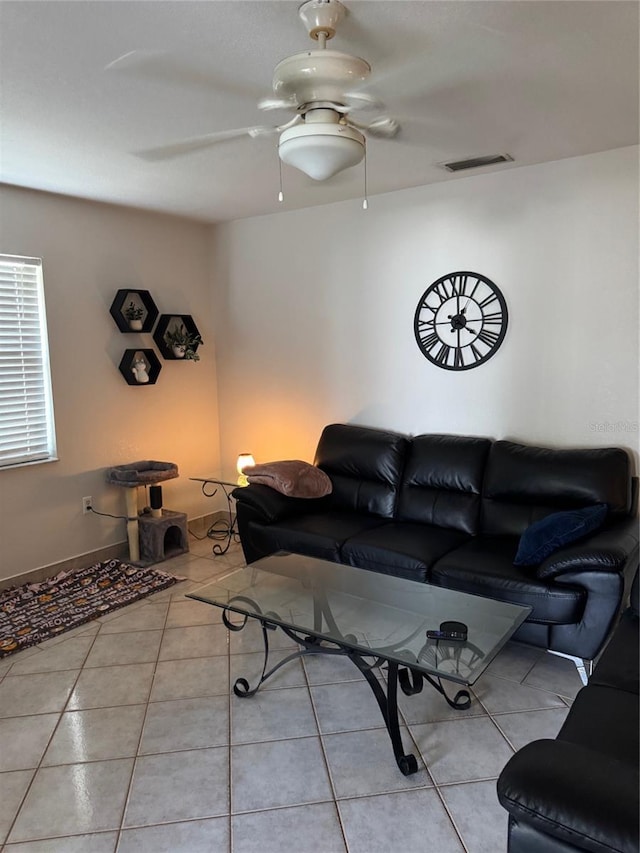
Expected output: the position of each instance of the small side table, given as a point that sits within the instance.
(224, 529)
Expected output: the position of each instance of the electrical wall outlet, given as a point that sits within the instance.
(86, 505)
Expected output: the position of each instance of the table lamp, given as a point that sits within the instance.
(245, 460)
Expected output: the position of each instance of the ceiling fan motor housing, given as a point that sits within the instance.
(319, 75)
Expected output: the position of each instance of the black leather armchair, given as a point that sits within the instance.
(580, 791)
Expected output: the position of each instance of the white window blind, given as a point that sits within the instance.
(27, 432)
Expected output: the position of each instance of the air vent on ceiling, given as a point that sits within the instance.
(475, 162)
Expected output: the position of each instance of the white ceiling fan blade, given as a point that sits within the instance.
(131, 59)
(361, 100)
(384, 127)
(162, 67)
(350, 101)
(433, 132)
(272, 103)
(417, 73)
(196, 143)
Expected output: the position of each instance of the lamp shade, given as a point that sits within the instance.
(321, 150)
(245, 460)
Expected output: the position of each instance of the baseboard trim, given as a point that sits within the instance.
(118, 551)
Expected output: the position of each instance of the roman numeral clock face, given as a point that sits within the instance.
(460, 321)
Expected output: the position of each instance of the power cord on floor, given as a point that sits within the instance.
(219, 529)
(195, 535)
(107, 514)
(215, 531)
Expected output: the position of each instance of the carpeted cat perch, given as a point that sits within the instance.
(144, 473)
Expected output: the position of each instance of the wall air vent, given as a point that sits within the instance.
(475, 162)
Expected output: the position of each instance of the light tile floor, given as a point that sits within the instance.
(124, 735)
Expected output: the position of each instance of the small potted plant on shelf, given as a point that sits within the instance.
(134, 313)
(183, 343)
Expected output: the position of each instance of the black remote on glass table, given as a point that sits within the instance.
(449, 631)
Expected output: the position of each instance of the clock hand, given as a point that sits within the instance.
(448, 323)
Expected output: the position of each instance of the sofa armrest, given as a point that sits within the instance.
(572, 793)
(610, 549)
(272, 505)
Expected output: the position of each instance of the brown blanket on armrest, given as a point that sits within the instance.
(291, 477)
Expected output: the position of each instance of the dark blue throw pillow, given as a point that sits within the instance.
(546, 536)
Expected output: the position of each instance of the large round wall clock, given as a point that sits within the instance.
(460, 321)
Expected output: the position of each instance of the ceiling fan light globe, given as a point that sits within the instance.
(321, 151)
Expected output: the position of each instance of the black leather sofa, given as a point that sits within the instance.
(580, 791)
(449, 510)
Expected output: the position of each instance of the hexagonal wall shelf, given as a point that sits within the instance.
(140, 366)
(143, 305)
(171, 321)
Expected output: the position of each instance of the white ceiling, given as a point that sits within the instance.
(539, 79)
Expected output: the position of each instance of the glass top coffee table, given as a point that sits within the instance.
(371, 618)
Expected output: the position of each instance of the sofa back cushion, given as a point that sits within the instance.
(524, 484)
(365, 466)
(442, 481)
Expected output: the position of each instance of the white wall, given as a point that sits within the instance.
(89, 251)
(311, 322)
(314, 312)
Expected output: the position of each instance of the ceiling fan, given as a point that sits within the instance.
(322, 87)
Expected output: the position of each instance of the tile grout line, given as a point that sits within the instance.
(324, 756)
(140, 736)
(436, 785)
(53, 733)
(452, 821)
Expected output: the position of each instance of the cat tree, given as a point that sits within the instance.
(146, 473)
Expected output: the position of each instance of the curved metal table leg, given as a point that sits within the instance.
(389, 707)
(410, 680)
(388, 703)
(229, 528)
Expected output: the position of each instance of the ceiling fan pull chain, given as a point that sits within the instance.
(280, 194)
(365, 201)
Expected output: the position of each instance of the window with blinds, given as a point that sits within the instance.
(27, 432)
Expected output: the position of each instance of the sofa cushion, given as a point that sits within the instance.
(400, 548)
(524, 484)
(571, 797)
(549, 534)
(315, 534)
(484, 566)
(620, 662)
(365, 466)
(442, 481)
(606, 720)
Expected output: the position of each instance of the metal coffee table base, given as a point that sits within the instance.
(410, 680)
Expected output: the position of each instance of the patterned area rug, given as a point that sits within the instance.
(32, 613)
